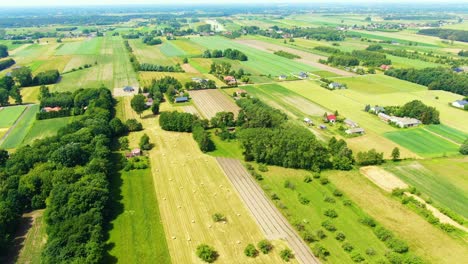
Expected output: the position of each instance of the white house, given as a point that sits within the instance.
(460, 104)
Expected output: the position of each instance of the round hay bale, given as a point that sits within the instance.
(238, 214)
(173, 237)
(170, 179)
(189, 239)
(209, 226)
(179, 206)
(193, 221)
(238, 242)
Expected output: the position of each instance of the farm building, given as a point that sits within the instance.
(134, 153)
(350, 123)
(385, 67)
(51, 109)
(128, 89)
(308, 121)
(384, 117)
(355, 131)
(323, 127)
(282, 77)
(181, 99)
(240, 92)
(336, 85)
(460, 104)
(230, 80)
(405, 121)
(377, 109)
(331, 118)
(303, 75)
(199, 80)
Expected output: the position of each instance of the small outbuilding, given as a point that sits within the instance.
(282, 77)
(350, 123)
(181, 99)
(460, 104)
(128, 89)
(335, 85)
(51, 109)
(308, 121)
(377, 109)
(355, 131)
(136, 152)
(303, 75)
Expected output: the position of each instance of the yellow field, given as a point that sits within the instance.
(30, 94)
(190, 188)
(423, 238)
(188, 46)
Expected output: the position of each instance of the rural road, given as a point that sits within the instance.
(306, 57)
(270, 219)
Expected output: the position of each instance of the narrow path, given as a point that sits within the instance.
(439, 135)
(14, 125)
(272, 222)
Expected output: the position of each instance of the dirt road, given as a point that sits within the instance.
(272, 222)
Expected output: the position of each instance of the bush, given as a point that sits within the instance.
(329, 199)
(324, 181)
(340, 237)
(219, 217)
(307, 179)
(265, 246)
(320, 234)
(145, 143)
(320, 251)
(367, 221)
(309, 237)
(347, 203)
(328, 225)
(316, 175)
(250, 251)
(262, 168)
(331, 213)
(274, 196)
(356, 257)
(288, 184)
(447, 227)
(207, 253)
(133, 125)
(397, 245)
(303, 200)
(371, 252)
(337, 193)
(382, 233)
(347, 247)
(286, 254)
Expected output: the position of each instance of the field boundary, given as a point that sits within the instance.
(269, 218)
(441, 136)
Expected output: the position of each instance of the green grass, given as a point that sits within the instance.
(422, 142)
(446, 185)
(86, 47)
(22, 128)
(260, 62)
(137, 234)
(311, 215)
(228, 149)
(171, 50)
(394, 37)
(34, 242)
(8, 115)
(45, 128)
(448, 132)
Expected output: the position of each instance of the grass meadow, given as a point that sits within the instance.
(45, 128)
(442, 180)
(9, 115)
(22, 128)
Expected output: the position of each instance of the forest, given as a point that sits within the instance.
(444, 33)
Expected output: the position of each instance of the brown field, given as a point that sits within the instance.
(383, 178)
(189, 68)
(191, 109)
(272, 222)
(306, 57)
(210, 102)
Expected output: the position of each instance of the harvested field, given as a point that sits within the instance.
(189, 68)
(383, 178)
(191, 109)
(306, 57)
(272, 222)
(210, 102)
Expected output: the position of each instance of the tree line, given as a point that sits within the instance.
(232, 54)
(6, 63)
(8, 88)
(3, 51)
(434, 78)
(70, 171)
(445, 33)
(415, 109)
(370, 58)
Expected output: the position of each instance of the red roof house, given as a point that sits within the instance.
(230, 79)
(331, 118)
(52, 109)
(385, 67)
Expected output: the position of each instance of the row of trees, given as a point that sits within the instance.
(151, 41)
(204, 84)
(415, 109)
(232, 54)
(445, 33)
(434, 78)
(6, 63)
(160, 68)
(9, 88)
(70, 170)
(3, 51)
(47, 77)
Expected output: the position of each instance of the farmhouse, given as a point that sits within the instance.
(460, 103)
(350, 123)
(282, 77)
(181, 99)
(355, 131)
(51, 109)
(377, 109)
(335, 85)
(240, 92)
(230, 80)
(331, 118)
(405, 121)
(308, 121)
(128, 89)
(303, 75)
(384, 117)
(385, 67)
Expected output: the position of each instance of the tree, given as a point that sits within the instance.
(118, 128)
(265, 246)
(395, 154)
(4, 96)
(138, 103)
(23, 76)
(206, 253)
(3, 51)
(286, 254)
(185, 61)
(371, 157)
(250, 251)
(155, 107)
(464, 148)
(145, 142)
(124, 143)
(3, 156)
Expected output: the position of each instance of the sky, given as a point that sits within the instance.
(166, 2)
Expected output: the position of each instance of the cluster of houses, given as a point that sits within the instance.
(353, 127)
(460, 104)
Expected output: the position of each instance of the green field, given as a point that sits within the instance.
(34, 241)
(22, 128)
(259, 61)
(8, 115)
(85, 47)
(171, 50)
(442, 180)
(137, 234)
(422, 142)
(448, 132)
(45, 128)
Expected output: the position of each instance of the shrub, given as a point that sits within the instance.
(133, 125)
(328, 225)
(207, 253)
(265, 246)
(397, 245)
(347, 203)
(219, 217)
(447, 228)
(356, 257)
(309, 237)
(340, 237)
(320, 234)
(288, 184)
(303, 200)
(262, 168)
(331, 213)
(371, 252)
(250, 167)
(286, 254)
(347, 247)
(307, 179)
(337, 193)
(320, 251)
(382, 233)
(324, 181)
(257, 176)
(250, 251)
(274, 196)
(145, 142)
(329, 199)
(316, 175)
(299, 226)
(367, 221)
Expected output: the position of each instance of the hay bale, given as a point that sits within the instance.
(209, 226)
(238, 214)
(238, 242)
(193, 221)
(173, 237)
(179, 206)
(189, 239)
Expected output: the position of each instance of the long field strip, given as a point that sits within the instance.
(447, 132)
(156, 54)
(273, 224)
(147, 77)
(8, 115)
(21, 128)
(263, 61)
(210, 102)
(442, 180)
(190, 187)
(45, 128)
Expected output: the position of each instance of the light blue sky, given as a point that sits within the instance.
(166, 2)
